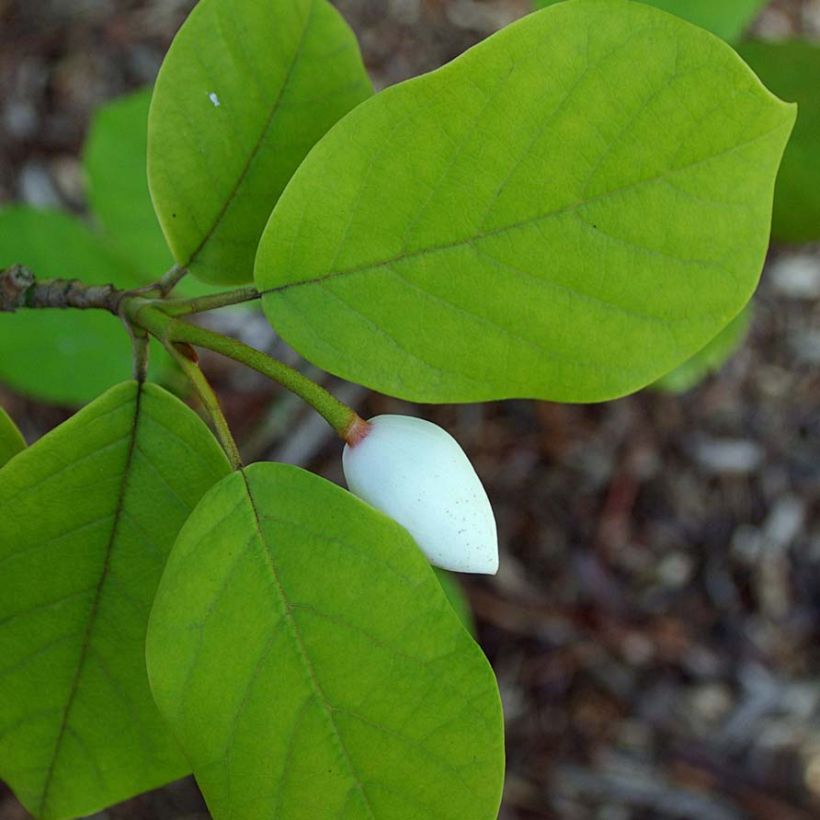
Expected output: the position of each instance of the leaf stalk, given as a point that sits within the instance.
(211, 301)
(168, 329)
(19, 288)
(209, 401)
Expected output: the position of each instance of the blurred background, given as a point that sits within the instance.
(655, 623)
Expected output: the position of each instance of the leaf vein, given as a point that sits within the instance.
(86, 634)
(307, 664)
(371, 267)
(277, 103)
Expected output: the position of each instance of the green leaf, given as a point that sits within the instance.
(11, 439)
(114, 158)
(61, 356)
(311, 666)
(246, 89)
(455, 595)
(710, 359)
(726, 18)
(88, 515)
(792, 69)
(567, 211)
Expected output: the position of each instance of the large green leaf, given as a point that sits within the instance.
(710, 359)
(246, 89)
(11, 440)
(88, 515)
(726, 18)
(60, 356)
(792, 69)
(114, 158)
(306, 657)
(567, 211)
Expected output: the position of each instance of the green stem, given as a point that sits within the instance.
(212, 301)
(164, 285)
(171, 278)
(338, 415)
(343, 419)
(209, 401)
(19, 289)
(139, 347)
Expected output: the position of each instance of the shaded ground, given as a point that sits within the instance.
(655, 625)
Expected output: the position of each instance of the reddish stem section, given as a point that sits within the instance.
(356, 431)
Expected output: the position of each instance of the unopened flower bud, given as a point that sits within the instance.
(416, 473)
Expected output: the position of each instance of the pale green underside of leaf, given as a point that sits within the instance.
(792, 70)
(281, 72)
(61, 356)
(710, 359)
(114, 160)
(306, 657)
(726, 18)
(567, 211)
(11, 440)
(88, 515)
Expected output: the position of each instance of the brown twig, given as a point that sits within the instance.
(19, 288)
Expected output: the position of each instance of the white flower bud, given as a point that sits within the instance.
(416, 473)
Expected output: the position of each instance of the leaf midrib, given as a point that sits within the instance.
(482, 235)
(277, 104)
(92, 616)
(302, 650)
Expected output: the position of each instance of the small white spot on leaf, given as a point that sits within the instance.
(214, 99)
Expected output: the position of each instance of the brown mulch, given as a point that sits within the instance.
(655, 624)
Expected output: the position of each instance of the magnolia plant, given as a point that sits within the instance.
(568, 211)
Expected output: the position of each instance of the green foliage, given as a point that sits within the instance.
(792, 70)
(11, 440)
(311, 666)
(710, 359)
(66, 357)
(726, 18)
(114, 157)
(88, 515)
(571, 209)
(507, 226)
(455, 595)
(245, 90)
